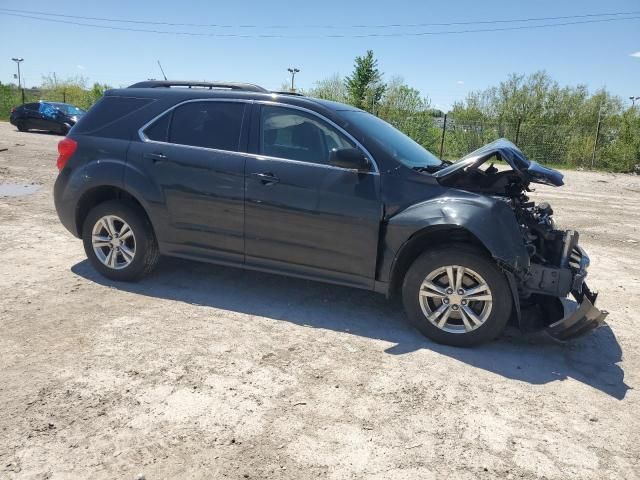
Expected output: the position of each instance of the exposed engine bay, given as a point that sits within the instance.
(554, 254)
(558, 265)
(545, 244)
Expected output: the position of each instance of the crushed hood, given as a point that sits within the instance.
(503, 149)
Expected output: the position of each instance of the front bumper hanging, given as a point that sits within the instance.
(580, 316)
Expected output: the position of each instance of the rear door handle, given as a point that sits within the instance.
(155, 156)
(266, 178)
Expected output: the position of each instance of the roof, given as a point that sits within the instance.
(180, 89)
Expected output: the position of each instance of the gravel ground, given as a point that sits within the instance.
(201, 371)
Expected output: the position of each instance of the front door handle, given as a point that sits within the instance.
(155, 156)
(266, 178)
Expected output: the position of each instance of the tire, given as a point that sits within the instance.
(64, 129)
(464, 322)
(21, 126)
(135, 254)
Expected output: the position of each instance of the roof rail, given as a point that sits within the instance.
(210, 85)
(284, 92)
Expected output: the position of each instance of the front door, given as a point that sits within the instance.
(304, 216)
(49, 117)
(193, 155)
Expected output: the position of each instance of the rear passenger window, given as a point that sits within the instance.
(159, 130)
(208, 124)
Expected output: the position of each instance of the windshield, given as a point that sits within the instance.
(391, 140)
(68, 109)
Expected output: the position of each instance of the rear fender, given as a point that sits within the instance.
(77, 179)
(75, 185)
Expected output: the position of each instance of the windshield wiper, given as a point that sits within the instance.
(432, 168)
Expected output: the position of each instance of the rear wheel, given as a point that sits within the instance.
(457, 296)
(119, 241)
(22, 126)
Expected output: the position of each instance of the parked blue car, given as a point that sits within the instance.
(49, 116)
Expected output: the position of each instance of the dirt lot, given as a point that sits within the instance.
(208, 372)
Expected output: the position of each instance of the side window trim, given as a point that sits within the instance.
(248, 118)
(241, 144)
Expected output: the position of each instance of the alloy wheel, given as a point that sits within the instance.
(113, 241)
(455, 299)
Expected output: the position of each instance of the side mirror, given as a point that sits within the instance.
(350, 158)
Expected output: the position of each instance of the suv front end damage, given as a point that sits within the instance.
(579, 316)
(554, 283)
(567, 304)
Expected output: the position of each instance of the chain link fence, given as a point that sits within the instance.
(602, 145)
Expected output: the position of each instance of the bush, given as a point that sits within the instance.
(72, 91)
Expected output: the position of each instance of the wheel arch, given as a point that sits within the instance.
(100, 194)
(436, 236)
(422, 240)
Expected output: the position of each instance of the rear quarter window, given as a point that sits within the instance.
(108, 110)
(159, 130)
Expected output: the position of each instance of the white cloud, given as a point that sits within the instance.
(460, 82)
(80, 67)
(637, 55)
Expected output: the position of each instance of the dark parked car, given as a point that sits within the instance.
(233, 174)
(50, 116)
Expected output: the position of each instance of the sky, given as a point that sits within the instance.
(443, 67)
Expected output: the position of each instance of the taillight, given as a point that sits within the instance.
(13, 109)
(66, 147)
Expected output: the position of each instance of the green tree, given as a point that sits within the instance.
(551, 124)
(97, 91)
(365, 87)
(71, 90)
(330, 88)
(404, 107)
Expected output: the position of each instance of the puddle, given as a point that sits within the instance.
(17, 189)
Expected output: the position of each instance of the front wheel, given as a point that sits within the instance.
(119, 241)
(457, 296)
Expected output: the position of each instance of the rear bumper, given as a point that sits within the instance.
(65, 203)
(580, 316)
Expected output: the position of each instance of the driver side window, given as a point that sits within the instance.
(295, 135)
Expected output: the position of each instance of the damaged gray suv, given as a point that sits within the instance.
(234, 174)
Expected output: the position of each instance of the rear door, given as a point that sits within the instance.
(194, 155)
(304, 216)
(31, 115)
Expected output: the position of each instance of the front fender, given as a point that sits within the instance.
(490, 220)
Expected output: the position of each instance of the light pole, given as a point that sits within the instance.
(633, 101)
(18, 60)
(293, 72)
